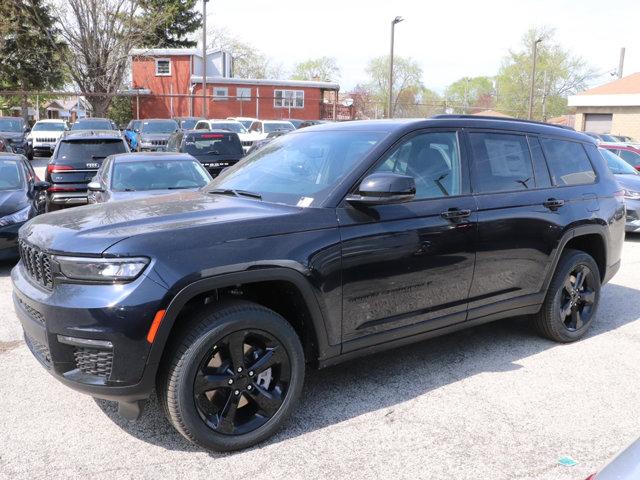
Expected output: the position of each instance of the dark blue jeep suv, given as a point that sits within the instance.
(330, 242)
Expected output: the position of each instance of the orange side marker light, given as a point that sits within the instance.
(157, 320)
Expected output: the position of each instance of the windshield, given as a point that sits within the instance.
(158, 175)
(299, 169)
(10, 176)
(160, 126)
(202, 144)
(48, 127)
(246, 123)
(273, 126)
(134, 124)
(617, 165)
(88, 150)
(188, 124)
(10, 125)
(235, 127)
(92, 124)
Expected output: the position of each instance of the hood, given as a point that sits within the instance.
(629, 182)
(11, 201)
(46, 134)
(246, 136)
(12, 135)
(255, 136)
(94, 228)
(154, 136)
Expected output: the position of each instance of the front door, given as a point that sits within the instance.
(408, 268)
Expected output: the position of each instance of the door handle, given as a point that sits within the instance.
(455, 213)
(553, 203)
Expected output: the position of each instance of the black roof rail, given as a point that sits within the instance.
(503, 119)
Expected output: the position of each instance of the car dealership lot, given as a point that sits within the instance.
(491, 402)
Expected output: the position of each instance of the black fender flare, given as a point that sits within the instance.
(198, 287)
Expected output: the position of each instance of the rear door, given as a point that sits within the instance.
(77, 161)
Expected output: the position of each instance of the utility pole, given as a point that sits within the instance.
(621, 63)
(204, 58)
(393, 28)
(544, 97)
(533, 76)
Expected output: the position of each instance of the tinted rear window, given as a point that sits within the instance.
(212, 144)
(85, 151)
(568, 162)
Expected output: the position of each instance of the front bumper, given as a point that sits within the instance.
(91, 337)
(68, 198)
(154, 148)
(45, 148)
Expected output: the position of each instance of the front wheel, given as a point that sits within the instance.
(233, 377)
(572, 299)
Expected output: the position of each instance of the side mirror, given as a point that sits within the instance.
(136, 130)
(94, 186)
(384, 189)
(41, 186)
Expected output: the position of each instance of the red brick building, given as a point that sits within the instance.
(168, 83)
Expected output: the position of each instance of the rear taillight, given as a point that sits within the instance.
(638, 167)
(51, 168)
(61, 189)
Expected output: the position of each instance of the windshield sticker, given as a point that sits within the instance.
(304, 202)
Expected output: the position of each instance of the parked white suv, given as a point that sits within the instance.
(45, 134)
(230, 125)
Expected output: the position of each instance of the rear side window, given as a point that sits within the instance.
(501, 163)
(212, 144)
(88, 151)
(568, 162)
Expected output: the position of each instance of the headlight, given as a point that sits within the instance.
(630, 194)
(101, 269)
(19, 216)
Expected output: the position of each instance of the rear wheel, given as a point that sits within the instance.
(233, 377)
(572, 299)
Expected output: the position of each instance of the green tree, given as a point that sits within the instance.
(559, 74)
(407, 84)
(470, 93)
(322, 68)
(30, 48)
(120, 110)
(173, 22)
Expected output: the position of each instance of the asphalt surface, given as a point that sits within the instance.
(494, 402)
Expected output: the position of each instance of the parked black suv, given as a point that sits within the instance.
(215, 149)
(75, 161)
(14, 130)
(331, 242)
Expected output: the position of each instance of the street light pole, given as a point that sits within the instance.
(533, 76)
(393, 28)
(204, 58)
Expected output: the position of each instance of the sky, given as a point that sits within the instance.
(449, 39)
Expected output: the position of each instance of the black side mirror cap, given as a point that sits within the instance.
(384, 189)
(41, 186)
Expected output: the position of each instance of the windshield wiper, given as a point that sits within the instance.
(237, 193)
(97, 157)
(213, 152)
(178, 188)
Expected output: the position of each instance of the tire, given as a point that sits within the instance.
(206, 415)
(567, 294)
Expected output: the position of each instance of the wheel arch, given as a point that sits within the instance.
(212, 285)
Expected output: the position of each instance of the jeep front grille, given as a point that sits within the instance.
(158, 142)
(37, 264)
(45, 139)
(94, 361)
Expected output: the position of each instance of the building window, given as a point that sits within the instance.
(220, 93)
(243, 94)
(288, 98)
(163, 67)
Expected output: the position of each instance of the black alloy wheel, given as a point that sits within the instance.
(577, 298)
(241, 383)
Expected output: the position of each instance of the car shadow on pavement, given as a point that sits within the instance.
(382, 381)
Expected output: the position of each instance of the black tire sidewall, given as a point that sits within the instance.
(569, 263)
(220, 326)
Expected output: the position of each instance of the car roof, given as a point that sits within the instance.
(51, 120)
(75, 135)
(152, 156)
(88, 119)
(450, 121)
(158, 119)
(208, 132)
(10, 156)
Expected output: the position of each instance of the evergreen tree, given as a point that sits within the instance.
(30, 48)
(173, 21)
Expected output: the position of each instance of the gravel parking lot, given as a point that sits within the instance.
(493, 402)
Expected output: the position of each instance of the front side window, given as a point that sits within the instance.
(501, 162)
(10, 176)
(299, 169)
(288, 98)
(163, 67)
(432, 159)
(568, 162)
